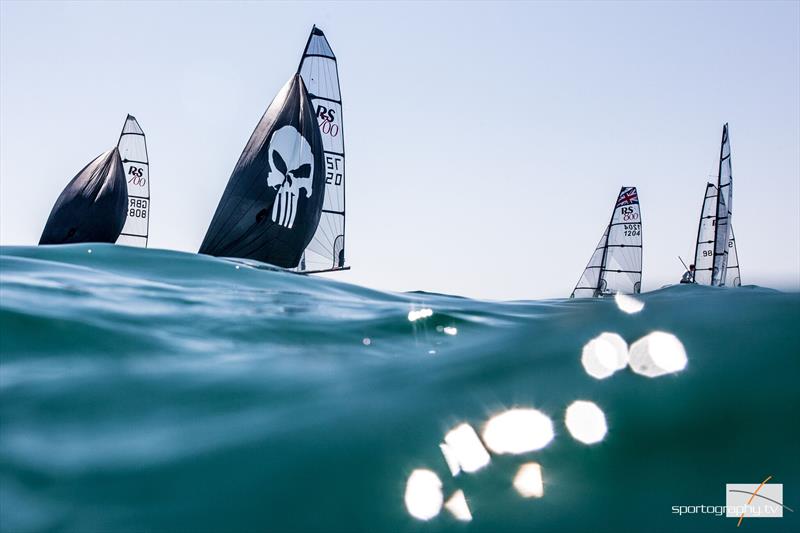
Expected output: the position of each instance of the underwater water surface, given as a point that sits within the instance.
(149, 390)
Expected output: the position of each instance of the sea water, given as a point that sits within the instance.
(149, 390)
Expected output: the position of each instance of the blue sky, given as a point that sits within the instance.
(486, 142)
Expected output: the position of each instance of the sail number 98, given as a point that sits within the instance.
(632, 230)
(137, 208)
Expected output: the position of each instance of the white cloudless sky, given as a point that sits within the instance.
(486, 142)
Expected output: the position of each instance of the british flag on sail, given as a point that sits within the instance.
(628, 196)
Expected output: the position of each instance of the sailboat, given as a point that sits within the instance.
(91, 208)
(716, 259)
(616, 264)
(132, 147)
(325, 252)
(272, 203)
(704, 249)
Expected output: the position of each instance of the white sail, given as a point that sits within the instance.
(734, 276)
(587, 285)
(318, 68)
(704, 248)
(133, 151)
(724, 211)
(619, 269)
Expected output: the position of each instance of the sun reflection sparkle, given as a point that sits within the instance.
(518, 431)
(464, 449)
(424, 494)
(528, 481)
(586, 422)
(657, 354)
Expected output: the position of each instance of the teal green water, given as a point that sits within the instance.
(147, 390)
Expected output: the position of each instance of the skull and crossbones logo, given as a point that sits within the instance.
(291, 170)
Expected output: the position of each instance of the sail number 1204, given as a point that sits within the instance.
(632, 230)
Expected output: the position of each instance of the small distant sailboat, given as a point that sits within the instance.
(716, 260)
(132, 148)
(616, 264)
(91, 208)
(325, 252)
(272, 204)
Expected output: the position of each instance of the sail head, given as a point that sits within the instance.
(273, 200)
(91, 208)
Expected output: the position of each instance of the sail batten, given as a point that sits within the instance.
(319, 69)
(616, 263)
(132, 146)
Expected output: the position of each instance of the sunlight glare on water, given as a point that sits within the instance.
(415, 315)
(528, 481)
(518, 431)
(657, 354)
(628, 304)
(457, 505)
(586, 422)
(424, 496)
(463, 448)
(604, 355)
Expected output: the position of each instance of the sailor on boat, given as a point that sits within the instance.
(688, 276)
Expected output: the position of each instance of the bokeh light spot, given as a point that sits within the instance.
(586, 422)
(528, 481)
(657, 354)
(518, 431)
(423, 495)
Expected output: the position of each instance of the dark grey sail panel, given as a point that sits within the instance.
(91, 208)
(319, 70)
(272, 204)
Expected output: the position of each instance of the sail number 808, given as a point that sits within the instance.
(137, 208)
(632, 230)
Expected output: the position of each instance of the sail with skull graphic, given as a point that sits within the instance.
(133, 151)
(616, 263)
(320, 73)
(91, 208)
(272, 203)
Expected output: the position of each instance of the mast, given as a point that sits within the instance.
(723, 211)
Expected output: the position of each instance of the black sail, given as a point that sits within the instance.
(91, 208)
(271, 206)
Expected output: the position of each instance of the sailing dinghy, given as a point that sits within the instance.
(715, 258)
(91, 208)
(616, 264)
(272, 204)
(132, 148)
(325, 252)
(704, 249)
